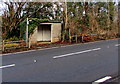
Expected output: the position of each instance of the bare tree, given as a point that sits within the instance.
(14, 15)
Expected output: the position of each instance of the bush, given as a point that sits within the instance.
(11, 45)
(14, 38)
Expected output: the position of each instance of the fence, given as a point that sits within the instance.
(14, 45)
(83, 37)
(23, 44)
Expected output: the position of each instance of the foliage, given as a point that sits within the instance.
(14, 38)
(78, 17)
(14, 14)
(11, 45)
(33, 23)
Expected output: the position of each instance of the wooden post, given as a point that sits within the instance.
(76, 38)
(70, 37)
(29, 43)
(92, 37)
(82, 37)
(63, 35)
(3, 47)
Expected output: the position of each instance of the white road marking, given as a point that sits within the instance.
(102, 80)
(12, 65)
(117, 45)
(51, 48)
(76, 53)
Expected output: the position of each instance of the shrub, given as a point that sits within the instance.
(14, 38)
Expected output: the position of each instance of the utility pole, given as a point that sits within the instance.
(27, 32)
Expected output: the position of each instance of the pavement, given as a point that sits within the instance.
(87, 62)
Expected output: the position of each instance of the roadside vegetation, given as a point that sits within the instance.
(81, 21)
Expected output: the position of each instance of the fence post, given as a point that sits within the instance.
(70, 37)
(29, 43)
(3, 47)
(76, 38)
(82, 37)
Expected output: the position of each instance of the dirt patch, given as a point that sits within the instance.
(48, 45)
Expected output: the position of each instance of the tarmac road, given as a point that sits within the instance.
(74, 63)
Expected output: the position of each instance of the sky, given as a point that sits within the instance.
(2, 6)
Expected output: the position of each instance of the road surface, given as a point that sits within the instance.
(74, 63)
